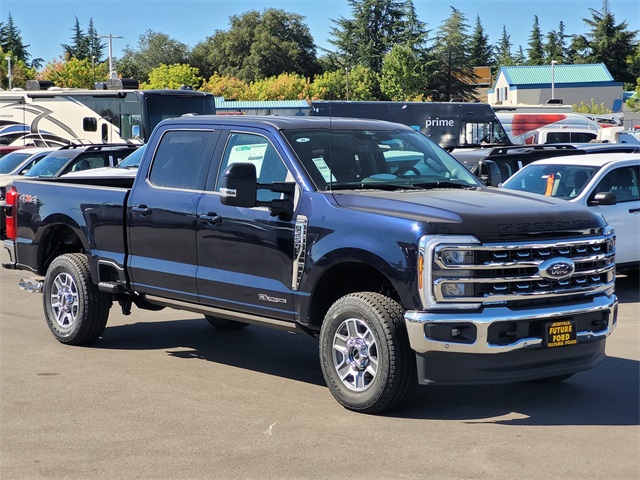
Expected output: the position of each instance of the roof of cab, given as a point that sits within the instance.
(290, 122)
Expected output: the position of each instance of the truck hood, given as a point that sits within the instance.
(488, 213)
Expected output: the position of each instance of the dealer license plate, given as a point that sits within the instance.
(559, 334)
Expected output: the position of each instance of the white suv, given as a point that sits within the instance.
(605, 182)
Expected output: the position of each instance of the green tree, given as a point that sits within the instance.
(11, 42)
(74, 73)
(95, 45)
(503, 50)
(535, 50)
(376, 26)
(154, 49)
(480, 50)
(403, 77)
(455, 77)
(172, 77)
(608, 43)
(259, 45)
(20, 72)
(634, 102)
(555, 47)
(79, 47)
(363, 84)
(591, 108)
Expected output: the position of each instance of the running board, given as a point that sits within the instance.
(226, 314)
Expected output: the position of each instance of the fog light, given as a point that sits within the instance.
(452, 290)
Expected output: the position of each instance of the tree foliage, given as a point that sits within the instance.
(75, 73)
(172, 77)
(480, 50)
(376, 26)
(231, 88)
(286, 86)
(20, 72)
(536, 49)
(154, 49)
(607, 43)
(591, 108)
(403, 77)
(455, 77)
(259, 45)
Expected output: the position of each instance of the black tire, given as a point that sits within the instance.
(224, 324)
(75, 310)
(364, 353)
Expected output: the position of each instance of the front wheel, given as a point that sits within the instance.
(75, 310)
(364, 352)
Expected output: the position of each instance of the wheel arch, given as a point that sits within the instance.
(341, 279)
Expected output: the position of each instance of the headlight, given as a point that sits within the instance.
(452, 257)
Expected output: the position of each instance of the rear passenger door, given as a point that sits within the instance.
(161, 214)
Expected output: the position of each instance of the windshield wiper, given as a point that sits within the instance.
(443, 184)
(391, 187)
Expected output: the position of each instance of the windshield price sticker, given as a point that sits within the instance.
(559, 334)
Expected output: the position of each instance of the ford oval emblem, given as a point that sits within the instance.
(557, 268)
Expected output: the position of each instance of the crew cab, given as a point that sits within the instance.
(607, 183)
(363, 233)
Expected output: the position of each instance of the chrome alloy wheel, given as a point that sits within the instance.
(64, 300)
(355, 354)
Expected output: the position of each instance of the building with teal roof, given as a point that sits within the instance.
(557, 83)
(261, 107)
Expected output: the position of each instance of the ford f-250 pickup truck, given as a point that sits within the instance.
(363, 233)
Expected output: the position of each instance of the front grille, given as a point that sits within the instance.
(515, 272)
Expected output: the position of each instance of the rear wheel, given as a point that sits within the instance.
(75, 310)
(364, 352)
(224, 324)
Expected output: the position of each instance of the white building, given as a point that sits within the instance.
(558, 83)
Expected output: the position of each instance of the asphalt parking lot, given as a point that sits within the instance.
(162, 395)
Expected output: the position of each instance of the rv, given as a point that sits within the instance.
(451, 125)
(43, 115)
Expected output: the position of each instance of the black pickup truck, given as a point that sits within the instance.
(363, 233)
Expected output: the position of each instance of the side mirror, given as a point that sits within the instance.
(239, 185)
(489, 173)
(603, 198)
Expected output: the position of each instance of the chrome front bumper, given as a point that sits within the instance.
(417, 322)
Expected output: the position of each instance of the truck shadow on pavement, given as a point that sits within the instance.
(606, 395)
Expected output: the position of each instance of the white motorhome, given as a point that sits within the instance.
(44, 115)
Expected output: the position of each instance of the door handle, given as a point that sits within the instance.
(141, 210)
(211, 218)
(634, 210)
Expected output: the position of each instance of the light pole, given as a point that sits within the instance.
(553, 79)
(112, 74)
(346, 70)
(8, 59)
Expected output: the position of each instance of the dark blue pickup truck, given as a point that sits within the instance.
(363, 233)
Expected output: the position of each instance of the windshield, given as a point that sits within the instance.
(394, 159)
(12, 160)
(562, 181)
(133, 159)
(49, 166)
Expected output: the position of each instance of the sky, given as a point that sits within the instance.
(47, 24)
